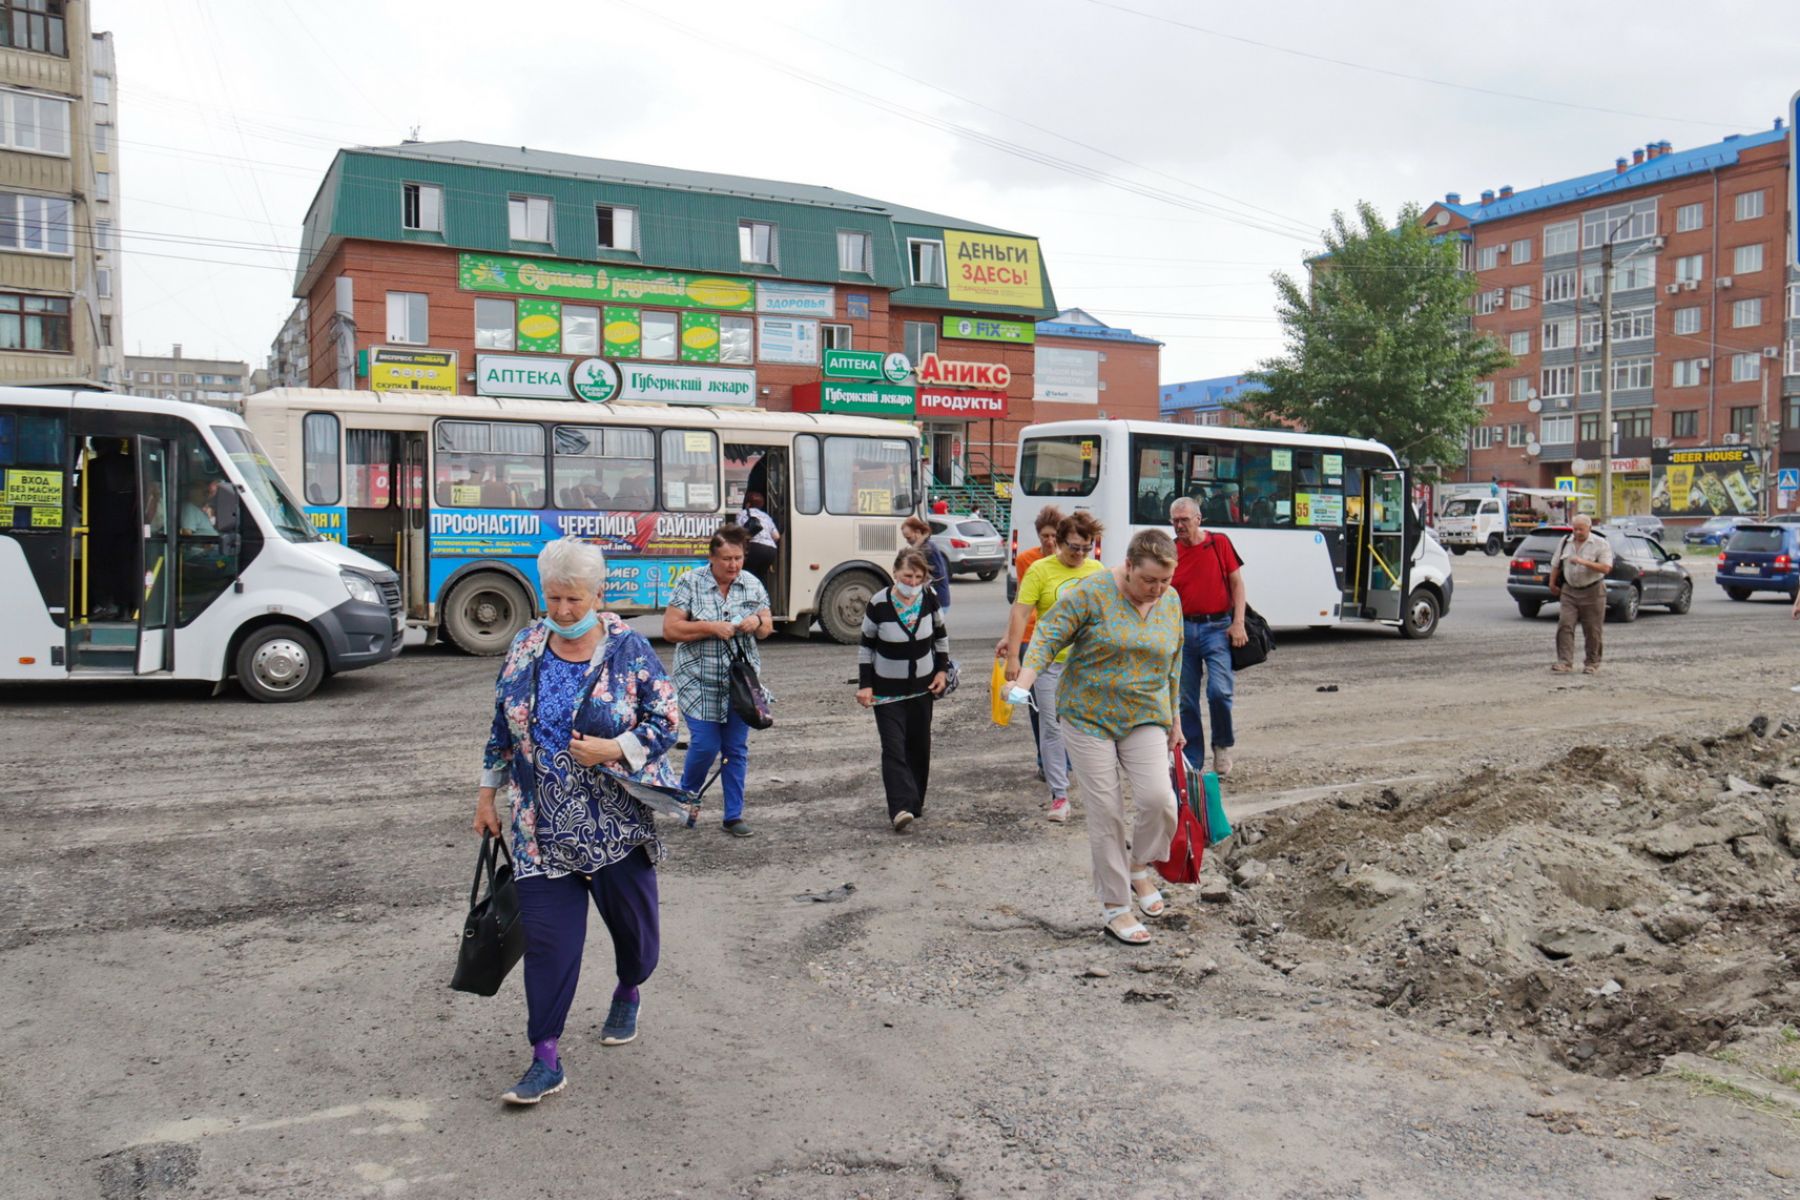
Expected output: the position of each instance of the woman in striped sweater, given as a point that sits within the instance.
(902, 668)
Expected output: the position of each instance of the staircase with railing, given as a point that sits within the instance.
(977, 493)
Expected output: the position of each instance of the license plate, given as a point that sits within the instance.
(1749, 570)
(987, 547)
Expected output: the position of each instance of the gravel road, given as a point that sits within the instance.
(226, 930)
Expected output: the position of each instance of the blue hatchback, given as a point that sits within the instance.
(1761, 558)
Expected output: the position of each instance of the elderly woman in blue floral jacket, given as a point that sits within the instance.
(581, 700)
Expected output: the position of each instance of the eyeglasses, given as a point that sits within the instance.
(1078, 547)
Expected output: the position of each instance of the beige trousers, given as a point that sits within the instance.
(1101, 767)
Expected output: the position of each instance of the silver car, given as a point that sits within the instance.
(971, 546)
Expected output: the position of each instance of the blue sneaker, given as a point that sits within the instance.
(621, 1023)
(539, 1081)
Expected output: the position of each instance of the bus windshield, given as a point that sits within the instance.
(1060, 466)
(266, 484)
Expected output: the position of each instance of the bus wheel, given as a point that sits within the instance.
(1493, 546)
(280, 663)
(1421, 616)
(485, 614)
(841, 608)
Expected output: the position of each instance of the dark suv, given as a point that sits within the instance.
(1643, 573)
(1761, 558)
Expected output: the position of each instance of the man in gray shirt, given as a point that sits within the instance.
(1578, 578)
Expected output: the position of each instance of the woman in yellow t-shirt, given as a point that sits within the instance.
(1076, 535)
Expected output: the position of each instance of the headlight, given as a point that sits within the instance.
(361, 588)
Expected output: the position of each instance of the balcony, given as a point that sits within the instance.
(1627, 447)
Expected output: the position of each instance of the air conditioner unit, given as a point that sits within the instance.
(1730, 439)
(1657, 243)
(1672, 288)
(1704, 364)
(1724, 282)
(1660, 443)
(1688, 285)
(1771, 351)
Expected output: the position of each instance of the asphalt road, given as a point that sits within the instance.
(226, 930)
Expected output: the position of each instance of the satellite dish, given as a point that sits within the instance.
(1533, 449)
(1535, 405)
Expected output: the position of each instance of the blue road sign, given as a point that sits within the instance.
(1788, 479)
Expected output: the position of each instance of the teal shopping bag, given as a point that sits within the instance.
(1218, 825)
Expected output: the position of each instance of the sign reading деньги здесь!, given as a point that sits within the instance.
(994, 269)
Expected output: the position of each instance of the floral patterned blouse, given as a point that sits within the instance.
(1124, 670)
(566, 817)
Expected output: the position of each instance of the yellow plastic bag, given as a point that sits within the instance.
(1001, 709)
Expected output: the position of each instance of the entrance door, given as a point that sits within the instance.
(764, 471)
(410, 557)
(1384, 562)
(156, 500)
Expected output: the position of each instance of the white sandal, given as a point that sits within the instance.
(1131, 935)
(1148, 899)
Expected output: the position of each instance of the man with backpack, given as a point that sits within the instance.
(1210, 582)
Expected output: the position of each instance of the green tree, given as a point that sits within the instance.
(1382, 346)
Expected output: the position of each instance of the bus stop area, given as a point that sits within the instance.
(1483, 931)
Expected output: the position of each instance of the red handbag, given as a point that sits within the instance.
(1188, 848)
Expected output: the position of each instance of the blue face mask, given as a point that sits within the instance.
(577, 629)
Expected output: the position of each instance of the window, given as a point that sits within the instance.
(809, 486)
(528, 219)
(372, 461)
(106, 331)
(408, 318)
(1519, 342)
(1686, 423)
(1557, 381)
(1687, 372)
(1484, 392)
(927, 258)
(188, 397)
(185, 380)
(1749, 205)
(1521, 296)
(1487, 302)
(1590, 378)
(1793, 356)
(33, 123)
(1060, 466)
(580, 329)
(34, 323)
(1521, 252)
(1638, 371)
(1746, 367)
(319, 458)
(1561, 239)
(756, 243)
(1794, 302)
(1743, 421)
(489, 464)
(604, 468)
(1518, 389)
(737, 339)
(1634, 424)
(1483, 437)
(166, 377)
(690, 470)
(1589, 426)
(1687, 320)
(103, 185)
(1556, 431)
(1620, 223)
(1628, 275)
(1746, 260)
(1559, 285)
(493, 324)
(855, 254)
(615, 227)
(921, 339)
(1746, 313)
(33, 25)
(422, 207)
(1515, 435)
(145, 377)
(1690, 268)
(102, 89)
(101, 136)
(867, 476)
(103, 282)
(1487, 257)
(1560, 334)
(103, 235)
(659, 333)
(1690, 217)
(1628, 324)
(836, 337)
(37, 224)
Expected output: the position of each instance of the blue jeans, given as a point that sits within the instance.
(1206, 649)
(706, 740)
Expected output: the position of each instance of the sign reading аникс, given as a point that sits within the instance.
(994, 269)
(994, 377)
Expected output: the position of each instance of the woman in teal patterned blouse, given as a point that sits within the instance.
(1118, 704)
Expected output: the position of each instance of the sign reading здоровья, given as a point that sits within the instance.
(603, 283)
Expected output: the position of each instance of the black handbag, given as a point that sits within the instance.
(1258, 641)
(749, 698)
(493, 937)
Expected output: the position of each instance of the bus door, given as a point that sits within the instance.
(106, 550)
(156, 501)
(410, 557)
(763, 469)
(1383, 567)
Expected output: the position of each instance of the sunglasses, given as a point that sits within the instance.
(1078, 547)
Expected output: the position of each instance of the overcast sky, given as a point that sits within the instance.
(1170, 155)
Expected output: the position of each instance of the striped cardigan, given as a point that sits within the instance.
(894, 660)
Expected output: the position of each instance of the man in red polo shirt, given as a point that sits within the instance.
(1210, 582)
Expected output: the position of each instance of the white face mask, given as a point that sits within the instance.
(907, 591)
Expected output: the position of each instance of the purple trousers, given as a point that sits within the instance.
(554, 912)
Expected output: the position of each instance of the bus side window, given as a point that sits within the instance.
(1267, 499)
(371, 462)
(207, 563)
(598, 467)
(319, 457)
(809, 492)
(490, 464)
(1156, 479)
(690, 470)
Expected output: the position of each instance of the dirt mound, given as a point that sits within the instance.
(1615, 906)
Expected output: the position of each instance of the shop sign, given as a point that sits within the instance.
(531, 378)
(1707, 481)
(853, 364)
(1591, 466)
(787, 340)
(395, 370)
(976, 329)
(603, 282)
(686, 385)
(595, 380)
(796, 299)
(960, 405)
(992, 269)
(863, 399)
(987, 376)
(1065, 376)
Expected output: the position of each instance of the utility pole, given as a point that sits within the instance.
(1606, 377)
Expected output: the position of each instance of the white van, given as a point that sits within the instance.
(150, 538)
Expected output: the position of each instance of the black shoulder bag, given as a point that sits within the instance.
(1259, 640)
(493, 937)
(749, 698)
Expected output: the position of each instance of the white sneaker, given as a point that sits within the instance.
(1221, 762)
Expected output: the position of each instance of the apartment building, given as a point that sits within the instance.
(218, 381)
(1705, 320)
(109, 297)
(1206, 401)
(52, 153)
